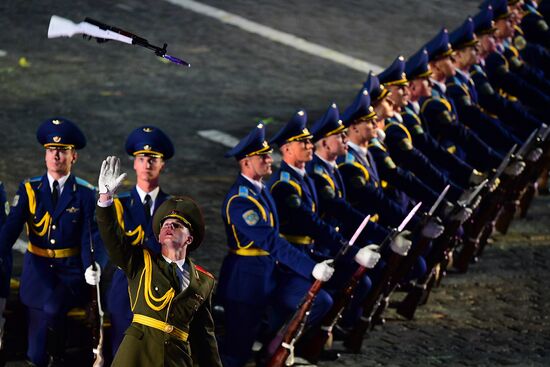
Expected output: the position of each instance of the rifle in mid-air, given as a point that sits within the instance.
(61, 27)
(96, 315)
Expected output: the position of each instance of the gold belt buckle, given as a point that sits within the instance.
(168, 329)
(51, 253)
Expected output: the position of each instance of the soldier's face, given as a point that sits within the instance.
(444, 68)
(174, 235)
(148, 168)
(384, 108)
(301, 151)
(505, 28)
(60, 161)
(400, 96)
(365, 130)
(261, 164)
(336, 144)
(487, 45)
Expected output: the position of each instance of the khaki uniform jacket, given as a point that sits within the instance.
(152, 286)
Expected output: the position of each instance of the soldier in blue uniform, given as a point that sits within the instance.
(5, 281)
(150, 148)
(262, 268)
(417, 73)
(58, 210)
(439, 113)
(461, 90)
(494, 100)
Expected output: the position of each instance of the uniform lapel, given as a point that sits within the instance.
(137, 208)
(45, 194)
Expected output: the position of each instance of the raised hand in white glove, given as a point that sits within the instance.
(368, 256)
(92, 276)
(534, 155)
(2, 320)
(432, 229)
(110, 177)
(400, 244)
(323, 271)
(462, 215)
(514, 168)
(477, 177)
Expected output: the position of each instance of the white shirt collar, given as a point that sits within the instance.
(332, 164)
(153, 194)
(61, 182)
(358, 148)
(257, 184)
(441, 85)
(415, 106)
(179, 263)
(301, 172)
(398, 117)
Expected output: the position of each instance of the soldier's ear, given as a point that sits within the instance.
(189, 240)
(75, 157)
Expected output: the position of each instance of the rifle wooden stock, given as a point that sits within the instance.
(283, 343)
(355, 338)
(320, 336)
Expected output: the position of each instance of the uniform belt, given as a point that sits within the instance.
(53, 253)
(160, 325)
(249, 252)
(299, 240)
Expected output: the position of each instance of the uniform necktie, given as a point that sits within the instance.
(147, 207)
(178, 275)
(55, 193)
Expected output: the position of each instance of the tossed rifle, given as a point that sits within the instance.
(96, 315)
(420, 292)
(61, 27)
(374, 298)
(483, 217)
(281, 348)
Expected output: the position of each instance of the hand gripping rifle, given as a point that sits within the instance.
(420, 292)
(96, 315)
(376, 294)
(61, 27)
(281, 348)
(489, 207)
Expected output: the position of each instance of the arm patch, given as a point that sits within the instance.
(444, 117)
(327, 192)
(405, 145)
(293, 201)
(250, 217)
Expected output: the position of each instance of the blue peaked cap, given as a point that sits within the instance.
(329, 124)
(395, 73)
(294, 130)
(464, 35)
(359, 108)
(149, 140)
(417, 65)
(439, 46)
(483, 21)
(59, 132)
(252, 144)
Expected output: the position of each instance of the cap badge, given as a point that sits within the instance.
(56, 122)
(146, 147)
(147, 129)
(56, 139)
(300, 113)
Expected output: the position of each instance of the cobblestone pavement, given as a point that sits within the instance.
(494, 315)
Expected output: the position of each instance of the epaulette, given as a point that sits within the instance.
(376, 143)
(243, 191)
(318, 169)
(204, 271)
(350, 158)
(285, 176)
(123, 195)
(85, 183)
(33, 179)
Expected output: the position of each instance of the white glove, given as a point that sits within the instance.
(2, 320)
(477, 177)
(534, 155)
(401, 245)
(462, 215)
(92, 276)
(515, 168)
(432, 229)
(368, 256)
(109, 176)
(323, 271)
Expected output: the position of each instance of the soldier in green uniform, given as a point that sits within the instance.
(170, 296)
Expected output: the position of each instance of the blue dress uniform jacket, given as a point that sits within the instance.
(5, 265)
(440, 118)
(527, 71)
(131, 219)
(399, 179)
(170, 327)
(59, 238)
(448, 163)
(297, 205)
(364, 189)
(488, 128)
(261, 269)
(501, 77)
(508, 108)
(535, 28)
(333, 206)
